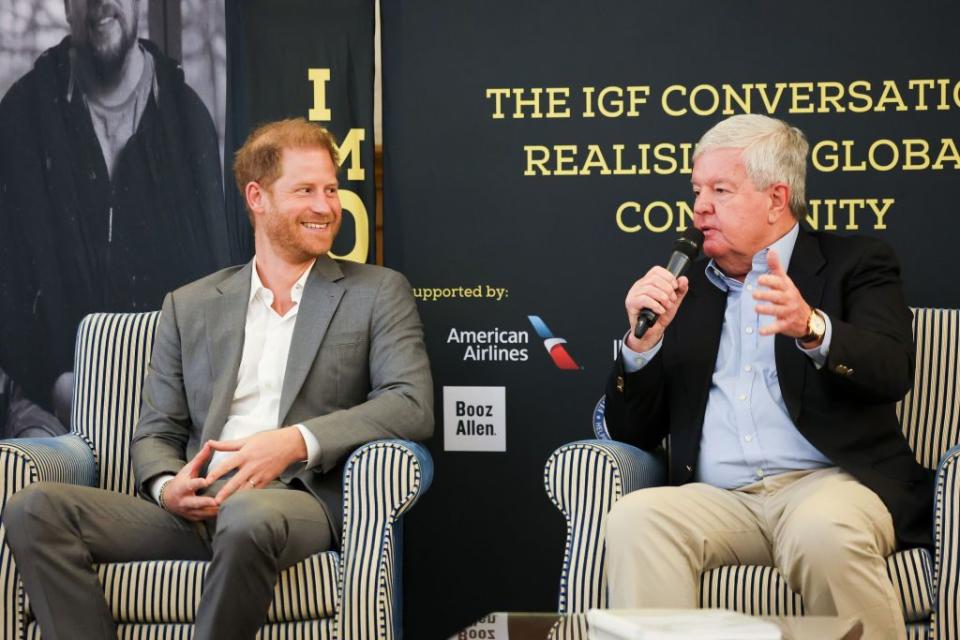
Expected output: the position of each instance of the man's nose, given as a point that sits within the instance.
(319, 203)
(702, 204)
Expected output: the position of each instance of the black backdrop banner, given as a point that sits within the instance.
(537, 161)
(315, 60)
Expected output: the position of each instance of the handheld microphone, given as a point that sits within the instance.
(686, 248)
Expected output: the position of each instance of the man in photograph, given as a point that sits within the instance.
(110, 189)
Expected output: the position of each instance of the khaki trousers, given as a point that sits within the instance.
(827, 534)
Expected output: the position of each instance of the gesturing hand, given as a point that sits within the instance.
(259, 459)
(782, 301)
(180, 494)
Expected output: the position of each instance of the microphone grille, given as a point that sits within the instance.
(689, 243)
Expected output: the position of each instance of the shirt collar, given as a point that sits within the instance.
(257, 287)
(784, 248)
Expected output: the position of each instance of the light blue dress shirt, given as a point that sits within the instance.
(747, 430)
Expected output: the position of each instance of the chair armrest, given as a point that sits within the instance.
(946, 542)
(382, 480)
(583, 479)
(68, 458)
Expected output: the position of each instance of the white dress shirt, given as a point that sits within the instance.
(256, 400)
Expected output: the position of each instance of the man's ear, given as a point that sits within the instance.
(779, 194)
(254, 195)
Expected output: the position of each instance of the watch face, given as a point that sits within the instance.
(818, 325)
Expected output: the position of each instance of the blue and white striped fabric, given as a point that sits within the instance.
(584, 485)
(312, 630)
(360, 596)
(610, 470)
(371, 534)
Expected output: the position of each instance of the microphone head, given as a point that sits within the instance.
(689, 243)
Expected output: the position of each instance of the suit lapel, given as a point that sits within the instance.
(792, 364)
(225, 319)
(321, 297)
(699, 336)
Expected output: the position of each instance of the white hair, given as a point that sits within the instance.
(773, 151)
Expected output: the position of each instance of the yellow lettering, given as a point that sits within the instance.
(825, 161)
(664, 152)
(353, 205)
(350, 148)
(714, 100)
(674, 88)
(540, 163)
(519, 102)
(771, 104)
(880, 213)
(916, 149)
(557, 102)
(830, 93)
(948, 153)
(319, 112)
(730, 96)
(891, 94)
(921, 86)
(800, 92)
(858, 91)
(872, 155)
(498, 95)
(566, 155)
(652, 207)
(594, 159)
(626, 206)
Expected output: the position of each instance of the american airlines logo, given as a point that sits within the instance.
(554, 346)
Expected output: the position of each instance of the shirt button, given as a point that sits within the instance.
(748, 368)
(749, 287)
(749, 329)
(742, 396)
(759, 473)
(748, 438)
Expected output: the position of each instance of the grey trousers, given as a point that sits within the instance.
(58, 531)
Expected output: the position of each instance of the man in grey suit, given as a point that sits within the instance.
(263, 378)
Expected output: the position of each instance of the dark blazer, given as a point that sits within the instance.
(357, 371)
(845, 409)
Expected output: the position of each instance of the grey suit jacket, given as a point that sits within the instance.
(357, 371)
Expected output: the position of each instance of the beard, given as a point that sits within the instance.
(106, 50)
(287, 236)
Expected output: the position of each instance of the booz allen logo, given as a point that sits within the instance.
(554, 346)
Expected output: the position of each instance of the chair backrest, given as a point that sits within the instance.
(929, 412)
(112, 356)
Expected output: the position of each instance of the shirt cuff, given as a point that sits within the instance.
(156, 485)
(633, 361)
(819, 354)
(313, 446)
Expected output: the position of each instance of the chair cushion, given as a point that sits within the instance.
(168, 591)
(763, 591)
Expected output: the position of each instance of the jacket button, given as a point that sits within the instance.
(689, 468)
(620, 384)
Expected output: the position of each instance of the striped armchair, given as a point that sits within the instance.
(583, 479)
(352, 593)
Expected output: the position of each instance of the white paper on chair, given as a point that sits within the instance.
(678, 624)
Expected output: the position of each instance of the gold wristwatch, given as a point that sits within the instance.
(816, 327)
